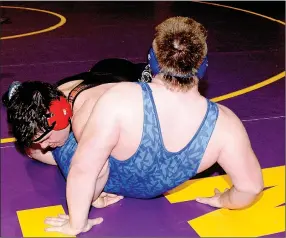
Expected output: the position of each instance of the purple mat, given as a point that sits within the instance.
(243, 50)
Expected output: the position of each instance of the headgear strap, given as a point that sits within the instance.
(155, 68)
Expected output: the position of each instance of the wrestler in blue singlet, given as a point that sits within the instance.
(152, 170)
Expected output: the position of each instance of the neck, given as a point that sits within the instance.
(159, 80)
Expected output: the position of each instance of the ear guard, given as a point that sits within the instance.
(60, 113)
(203, 68)
(59, 116)
(153, 62)
(155, 68)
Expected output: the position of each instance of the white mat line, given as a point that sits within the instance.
(263, 118)
(60, 62)
(245, 120)
(7, 146)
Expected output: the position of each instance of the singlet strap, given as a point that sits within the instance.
(150, 112)
(77, 90)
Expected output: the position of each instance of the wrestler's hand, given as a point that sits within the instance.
(61, 224)
(106, 199)
(214, 201)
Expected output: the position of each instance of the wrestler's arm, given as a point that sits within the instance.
(99, 137)
(239, 161)
(40, 155)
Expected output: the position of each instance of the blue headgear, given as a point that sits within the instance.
(155, 68)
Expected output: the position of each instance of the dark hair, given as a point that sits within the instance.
(180, 46)
(27, 109)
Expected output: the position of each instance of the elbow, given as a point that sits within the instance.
(255, 189)
(254, 186)
(258, 187)
(252, 195)
(247, 196)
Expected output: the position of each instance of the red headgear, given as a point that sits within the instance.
(61, 113)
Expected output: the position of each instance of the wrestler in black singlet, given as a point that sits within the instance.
(111, 70)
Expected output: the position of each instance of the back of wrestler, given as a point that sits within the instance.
(143, 139)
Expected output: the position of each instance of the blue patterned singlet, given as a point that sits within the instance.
(152, 170)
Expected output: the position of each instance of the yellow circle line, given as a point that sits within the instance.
(242, 10)
(62, 22)
(7, 140)
(232, 94)
(255, 86)
(250, 88)
(216, 99)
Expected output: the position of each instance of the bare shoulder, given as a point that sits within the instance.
(232, 130)
(229, 119)
(67, 87)
(107, 114)
(121, 93)
(226, 113)
(123, 88)
(121, 101)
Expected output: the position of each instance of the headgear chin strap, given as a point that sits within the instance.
(155, 68)
(59, 116)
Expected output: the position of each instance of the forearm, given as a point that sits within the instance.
(80, 191)
(235, 199)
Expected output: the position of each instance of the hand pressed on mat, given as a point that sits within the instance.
(62, 224)
(106, 199)
(214, 201)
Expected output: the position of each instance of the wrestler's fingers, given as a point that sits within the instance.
(110, 201)
(52, 229)
(111, 195)
(203, 200)
(95, 221)
(209, 201)
(103, 194)
(58, 219)
(216, 191)
(54, 222)
(92, 222)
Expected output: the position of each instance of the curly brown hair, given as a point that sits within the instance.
(180, 47)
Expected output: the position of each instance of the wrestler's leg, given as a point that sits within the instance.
(107, 71)
(122, 69)
(112, 70)
(81, 76)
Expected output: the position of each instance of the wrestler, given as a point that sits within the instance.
(58, 113)
(143, 139)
